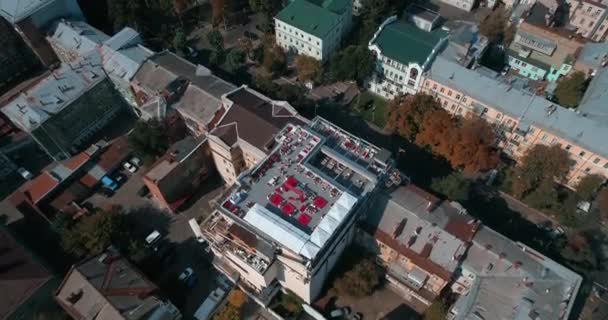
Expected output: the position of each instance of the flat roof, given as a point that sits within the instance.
(314, 17)
(300, 194)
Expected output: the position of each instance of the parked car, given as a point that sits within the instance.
(135, 161)
(153, 238)
(340, 312)
(129, 167)
(120, 178)
(188, 277)
(25, 174)
(108, 183)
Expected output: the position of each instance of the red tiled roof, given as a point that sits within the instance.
(461, 228)
(40, 186)
(76, 161)
(88, 180)
(114, 154)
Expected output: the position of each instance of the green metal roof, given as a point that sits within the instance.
(316, 17)
(407, 43)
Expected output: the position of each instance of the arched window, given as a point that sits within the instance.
(413, 73)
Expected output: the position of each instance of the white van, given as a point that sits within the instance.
(197, 230)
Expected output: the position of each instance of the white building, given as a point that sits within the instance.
(466, 5)
(315, 30)
(287, 220)
(403, 52)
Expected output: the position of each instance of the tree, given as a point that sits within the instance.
(352, 63)
(373, 12)
(267, 7)
(436, 311)
(360, 281)
(228, 312)
(494, 26)
(149, 139)
(474, 147)
(217, 12)
(437, 131)
(237, 298)
(569, 90)
(275, 60)
(540, 163)
(179, 40)
(309, 69)
(91, 235)
(216, 40)
(180, 6)
(246, 45)
(235, 59)
(453, 186)
(406, 114)
(588, 186)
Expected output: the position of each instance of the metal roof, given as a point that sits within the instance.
(589, 132)
(16, 10)
(317, 19)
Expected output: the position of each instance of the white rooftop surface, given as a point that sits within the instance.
(515, 282)
(123, 54)
(55, 92)
(294, 238)
(16, 10)
(76, 37)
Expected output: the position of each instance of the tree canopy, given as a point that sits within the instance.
(569, 90)
(228, 312)
(149, 139)
(436, 311)
(216, 40)
(235, 59)
(352, 63)
(274, 59)
(360, 281)
(406, 114)
(179, 40)
(541, 164)
(309, 69)
(588, 186)
(602, 199)
(237, 298)
(496, 26)
(267, 7)
(453, 186)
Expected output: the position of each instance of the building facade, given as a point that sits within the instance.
(466, 5)
(589, 18)
(287, 220)
(399, 71)
(419, 239)
(313, 28)
(522, 119)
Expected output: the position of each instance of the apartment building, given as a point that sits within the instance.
(589, 18)
(66, 108)
(540, 52)
(313, 28)
(177, 175)
(419, 239)
(287, 220)
(246, 132)
(108, 287)
(399, 71)
(167, 81)
(503, 279)
(523, 119)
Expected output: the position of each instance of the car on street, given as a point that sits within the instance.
(129, 167)
(25, 174)
(188, 277)
(135, 161)
(340, 312)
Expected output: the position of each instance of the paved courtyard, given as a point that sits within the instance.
(383, 304)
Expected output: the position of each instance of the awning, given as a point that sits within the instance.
(276, 199)
(319, 202)
(304, 219)
(288, 209)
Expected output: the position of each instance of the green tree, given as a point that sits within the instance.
(360, 281)
(588, 186)
(352, 63)
(275, 60)
(569, 90)
(453, 186)
(179, 40)
(373, 13)
(91, 235)
(406, 114)
(309, 69)
(436, 311)
(237, 298)
(216, 40)
(149, 139)
(267, 7)
(495, 25)
(235, 59)
(602, 200)
(539, 164)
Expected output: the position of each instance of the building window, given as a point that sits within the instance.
(442, 90)
(596, 161)
(464, 99)
(435, 87)
(450, 93)
(459, 110)
(581, 154)
(553, 141)
(498, 116)
(531, 131)
(453, 107)
(587, 169)
(568, 147)
(544, 138)
(606, 165)
(457, 97)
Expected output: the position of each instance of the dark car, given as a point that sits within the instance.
(120, 178)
